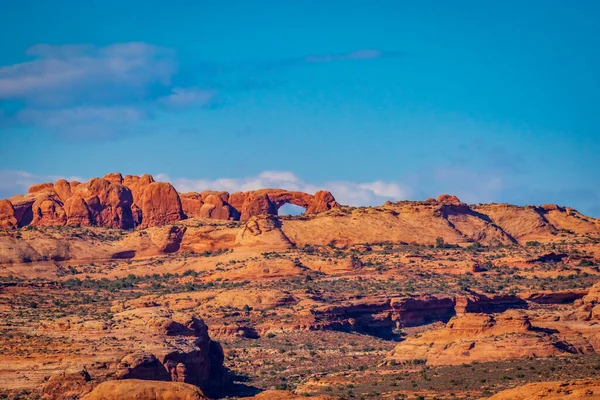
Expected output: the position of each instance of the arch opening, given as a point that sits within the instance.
(291, 209)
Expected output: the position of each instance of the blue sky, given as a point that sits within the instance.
(492, 101)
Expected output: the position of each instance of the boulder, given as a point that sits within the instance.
(63, 190)
(137, 184)
(7, 215)
(77, 211)
(67, 385)
(168, 238)
(222, 195)
(215, 208)
(41, 187)
(114, 177)
(160, 205)
(108, 204)
(47, 210)
(200, 365)
(191, 203)
(257, 204)
(136, 389)
(449, 199)
(322, 201)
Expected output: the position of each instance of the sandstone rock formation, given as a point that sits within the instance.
(7, 215)
(138, 201)
(588, 307)
(160, 205)
(67, 385)
(201, 366)
(168, 238)
(285, 395)
(571, 390)
(480, 338)
(446, 198)
(372, 314)
(135, 389)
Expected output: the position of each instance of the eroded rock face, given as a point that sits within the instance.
(138, 201)
(569, 390)
(191, 203)
(588, 307)
(482, 337)
(48, 211)
(108, 203)
(160, 205)
(67, 385)
(168, 239)
(215, 207)
(77, 211)
(268, 201)
(263, 230)
(385, 313)
(450, 199)
(135, 389)
(7, 215)
(201, 365)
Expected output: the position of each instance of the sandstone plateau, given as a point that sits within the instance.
(122, 287)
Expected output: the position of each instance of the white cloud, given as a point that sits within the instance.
(14, 182)
(93, 121)
(350, 193)
(68, 74)
(92, 91)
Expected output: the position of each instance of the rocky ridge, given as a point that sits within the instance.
(132, 201)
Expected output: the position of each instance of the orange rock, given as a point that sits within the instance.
(236, 200)
(191, 203)
(223, 195)
(168, 239)
(160, 205)
(135, 389)
(478, 338)
(114, 177)
(48, 211)
(214, 207)
(67, 385)
(257, 204)
(446, 198)
(137, 184)
(108, 204)
(285, 395)
(569, 390)
(22, 206)
(77, 211)
(322, 201)
(7, 215)
(63, 189)
(268, 201)
(41, 187)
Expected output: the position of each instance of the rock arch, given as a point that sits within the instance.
(138, 201)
